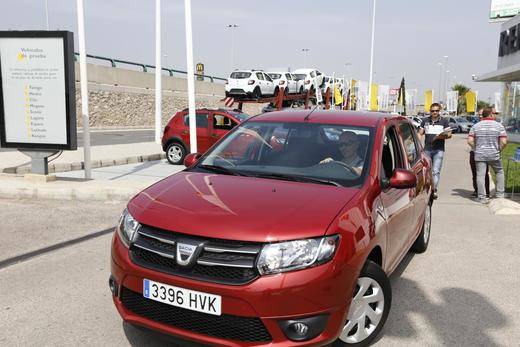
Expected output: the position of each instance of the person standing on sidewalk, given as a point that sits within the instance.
(473, 166)
(488, 138)
(436, 130)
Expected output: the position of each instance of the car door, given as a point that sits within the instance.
(261, 82)
(203, 134)
(269, 84)
(221, 124)
(398, 203)
(418, 167)
(291, 83)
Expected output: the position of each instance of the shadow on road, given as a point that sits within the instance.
(459, 317)
(463, 193)
(141, 336)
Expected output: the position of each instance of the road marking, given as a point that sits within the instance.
(26, 256)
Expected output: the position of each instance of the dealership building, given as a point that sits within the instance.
(508, 72)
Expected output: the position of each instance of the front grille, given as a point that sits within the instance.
(221, 261)
(225, 326)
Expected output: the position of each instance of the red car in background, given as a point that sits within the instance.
(283, 234)
(212, 124)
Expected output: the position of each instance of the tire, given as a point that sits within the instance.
(286, 91)
(301, 89)
(276, 91)
(227, 94)
(257, 93)
(175, 153)
(372, 280)
(459, 130)
(423, 239)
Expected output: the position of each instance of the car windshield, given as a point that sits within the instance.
(275, 76)
(304, 152)
(241, 116)
(240, 75)
(300, 76)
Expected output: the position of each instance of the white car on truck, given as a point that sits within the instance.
(284, 79)
(309, 76)
(250, 84)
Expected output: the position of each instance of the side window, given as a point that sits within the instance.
(313, 74)
(409, 143)
(391, 157)
(318, 73)
(260, 76)
(288, 76)
(222, 122)
(268, 78)
(201, 120)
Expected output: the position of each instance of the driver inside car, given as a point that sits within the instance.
(348, 144)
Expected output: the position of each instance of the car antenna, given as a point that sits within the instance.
(307, 116)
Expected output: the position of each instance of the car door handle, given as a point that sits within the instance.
(214, 135)
(185, 132)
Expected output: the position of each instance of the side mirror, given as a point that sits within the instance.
(191, 159)
(403, 179)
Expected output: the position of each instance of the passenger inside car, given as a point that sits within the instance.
(348, 145)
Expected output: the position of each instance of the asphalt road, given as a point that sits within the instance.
(112, 137)
(461, 292)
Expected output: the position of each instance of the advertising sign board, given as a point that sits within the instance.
(502, 10)
(37, 90)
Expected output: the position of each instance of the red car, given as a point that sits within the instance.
(283, 234)
(212, 124)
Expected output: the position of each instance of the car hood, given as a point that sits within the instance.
(239, 208)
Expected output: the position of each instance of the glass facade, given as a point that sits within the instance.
(510, 115)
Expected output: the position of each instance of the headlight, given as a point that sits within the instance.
(127, 227)
(294, 255)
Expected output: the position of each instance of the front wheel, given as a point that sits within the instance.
(421, 243)
(175, 153)
(369, 308)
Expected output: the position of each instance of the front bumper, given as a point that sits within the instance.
(321, 290)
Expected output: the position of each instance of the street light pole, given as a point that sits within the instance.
(305, 50)
(445, 68)
(190, 76)
(372, 51)
(158, 75)
(47, 14)
(232, 27)
(439, 98)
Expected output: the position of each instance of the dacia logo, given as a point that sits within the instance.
(187, 252)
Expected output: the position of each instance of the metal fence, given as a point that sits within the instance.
(113, 62)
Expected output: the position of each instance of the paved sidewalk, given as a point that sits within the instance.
(116, 183)
(101, 156)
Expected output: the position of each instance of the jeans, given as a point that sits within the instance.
(436, 156)
(496, 165)
(473, 166)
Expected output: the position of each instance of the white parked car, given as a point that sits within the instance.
(250, 83)
(284, 79)
(300, 82)
(309, 76)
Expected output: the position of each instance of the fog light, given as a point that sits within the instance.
(304, 329)
(113, 285)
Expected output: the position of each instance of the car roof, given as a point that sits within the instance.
(305, 70)
(355, 118)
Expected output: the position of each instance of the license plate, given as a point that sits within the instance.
(180, 297)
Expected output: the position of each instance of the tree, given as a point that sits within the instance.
(462, 89)
(482, 104)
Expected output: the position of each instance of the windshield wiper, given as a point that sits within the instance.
(221, 169)
(296, 178)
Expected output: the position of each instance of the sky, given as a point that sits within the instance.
(411, 36)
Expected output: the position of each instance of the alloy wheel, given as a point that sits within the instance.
(427, 223)
(365, 313)
(175, 153)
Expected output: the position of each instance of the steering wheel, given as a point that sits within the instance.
(347, 167)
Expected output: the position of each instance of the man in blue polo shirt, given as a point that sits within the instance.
(436, 130)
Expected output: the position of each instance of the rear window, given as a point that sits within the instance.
(240, 75)
(299, 76)
(275, 76)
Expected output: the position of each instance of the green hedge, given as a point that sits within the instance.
(509, 152)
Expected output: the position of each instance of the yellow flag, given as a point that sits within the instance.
(428, 100)
(471, 100)
(338, 98)
(373, 98)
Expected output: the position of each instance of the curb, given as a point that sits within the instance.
(79, 165)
